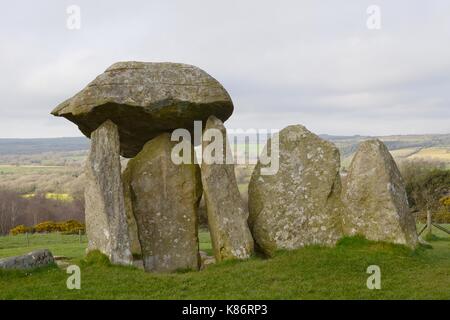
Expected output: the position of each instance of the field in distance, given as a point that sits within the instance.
(56, 165)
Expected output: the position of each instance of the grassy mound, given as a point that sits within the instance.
(309, 273)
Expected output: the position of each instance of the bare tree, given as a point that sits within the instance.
(16, 210)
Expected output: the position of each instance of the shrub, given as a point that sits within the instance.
(71, 227)
(442, 216)
(66, 227)
(446, 202)
(20, 229)
(426, 184)
(95, 258)
(30, 207)
(46, 226)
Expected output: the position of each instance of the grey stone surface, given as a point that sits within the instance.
(135, 245)
(164, 200)
(375, 197)
(145, 99)
(299, 205)
(35, 259)
(106, 221)
(206, 260)
(227, 215)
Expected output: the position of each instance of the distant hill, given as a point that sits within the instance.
(62, 151)
(56, 165)
(36, 146)
(431, 147)
(348, 144)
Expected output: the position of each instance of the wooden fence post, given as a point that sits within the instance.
(429, 223)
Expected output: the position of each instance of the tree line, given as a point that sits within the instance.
(16, 210)
(427, 185)
(428, 189)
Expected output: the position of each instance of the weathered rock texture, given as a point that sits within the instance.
(227, 215)
(206, 260)
(146, 99)
(106, 221)
(375, 196)
(131, 221)
(165, 199)
(35, 259)
(300, 204)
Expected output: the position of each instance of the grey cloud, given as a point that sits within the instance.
(309, 62)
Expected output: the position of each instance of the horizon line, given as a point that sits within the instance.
(320, 134)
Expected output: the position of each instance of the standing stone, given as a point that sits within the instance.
(132, 225)
(164, 199)
(300, 204)
(106, 222)
(227, 216)
(375, 196)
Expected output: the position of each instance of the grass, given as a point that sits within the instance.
(64, 245)
(309, 273)
(12, 169)
(404, 153)
(29, 179)
(205, 242)
(440, 154)
(439, 233)
(59, 244)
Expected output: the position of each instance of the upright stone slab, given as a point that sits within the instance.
(375, 196)
(227, 215)
(131, 220)
(300, 204)
(106, 222)
(164, 199)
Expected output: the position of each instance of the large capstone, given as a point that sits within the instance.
(375, 197)
(164, 199)
(106, 221)
(300, 204)
(145, 99)
(227, 215)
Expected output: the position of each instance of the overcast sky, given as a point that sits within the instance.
(283, 62)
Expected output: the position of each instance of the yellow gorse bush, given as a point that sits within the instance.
(20, 229)
(446, 201)
(46, 226)
(71, 227)
(66, 227)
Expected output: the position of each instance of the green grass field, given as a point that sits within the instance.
(308, 273)
(63, 245)
(59, 244)
(12, 169)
